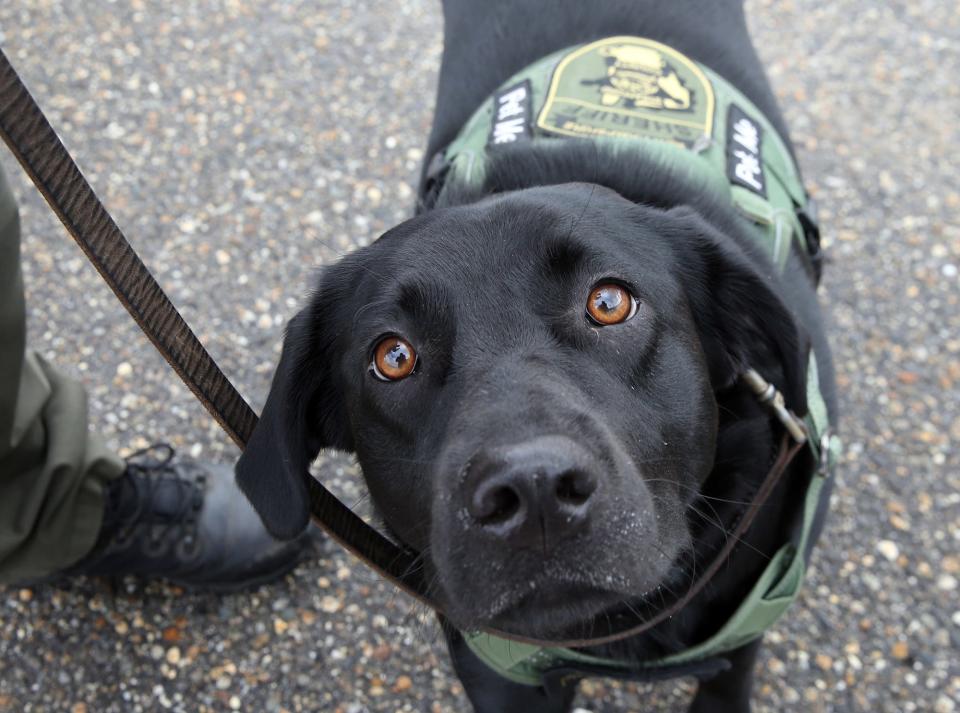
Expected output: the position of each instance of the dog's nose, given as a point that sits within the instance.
(532, 494)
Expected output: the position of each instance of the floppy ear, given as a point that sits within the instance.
(301, 416)
(741, 319)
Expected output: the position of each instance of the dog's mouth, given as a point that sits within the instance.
(562, 612)
(551, 609)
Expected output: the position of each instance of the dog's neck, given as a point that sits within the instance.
(644, 182)
(524, 166)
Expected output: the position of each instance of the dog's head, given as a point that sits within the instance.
(529, 385)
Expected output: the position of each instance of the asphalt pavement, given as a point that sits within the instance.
(242, 144)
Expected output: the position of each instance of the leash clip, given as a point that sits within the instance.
(768, 396)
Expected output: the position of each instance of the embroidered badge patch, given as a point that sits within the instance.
(511, 121)
(744, 152)
(629, 86)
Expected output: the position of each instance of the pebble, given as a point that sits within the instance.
(331, 604)
(900, 650)
(944, 705)
(888, 549)
(947, 582)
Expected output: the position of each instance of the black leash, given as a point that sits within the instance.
(35, 144)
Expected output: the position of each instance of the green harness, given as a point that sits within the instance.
(641, 96)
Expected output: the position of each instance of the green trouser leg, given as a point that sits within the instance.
(52, 469)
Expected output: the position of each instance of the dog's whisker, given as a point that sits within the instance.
(727, 534)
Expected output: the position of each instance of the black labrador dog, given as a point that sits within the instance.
(540, 373)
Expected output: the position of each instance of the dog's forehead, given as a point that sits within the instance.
(515, 255)
(509, 234)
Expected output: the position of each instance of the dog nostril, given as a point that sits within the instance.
(574, 488)
(496, 505)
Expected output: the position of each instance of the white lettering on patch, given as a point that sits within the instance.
(746, 134)
(748, 169)
(511, 120)
(745, 151)
(508, 131)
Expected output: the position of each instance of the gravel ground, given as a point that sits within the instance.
(242, 144)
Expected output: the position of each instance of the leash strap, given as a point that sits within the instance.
(35, 144)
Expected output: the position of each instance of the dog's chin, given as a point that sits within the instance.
(547, 610)
(559, 612)
(561, 603)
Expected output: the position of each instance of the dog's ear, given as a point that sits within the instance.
(302, 415)
(740, 317)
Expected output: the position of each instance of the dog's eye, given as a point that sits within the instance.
(393, 359)
(610, 303)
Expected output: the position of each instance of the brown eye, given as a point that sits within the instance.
(393, 359)
(610, 303)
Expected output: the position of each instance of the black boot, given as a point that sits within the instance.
(188, 523)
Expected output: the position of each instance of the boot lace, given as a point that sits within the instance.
(167, 500)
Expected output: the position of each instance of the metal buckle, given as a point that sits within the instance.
(823, 462)
(768, 396)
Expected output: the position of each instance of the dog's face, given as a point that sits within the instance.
(529, 385)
